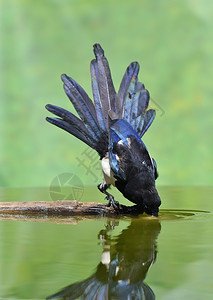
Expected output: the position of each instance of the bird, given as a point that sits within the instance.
(114, 125)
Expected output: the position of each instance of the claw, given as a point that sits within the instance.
(111, 201)
(115, 204)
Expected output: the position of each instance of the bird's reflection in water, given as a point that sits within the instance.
(124, 264)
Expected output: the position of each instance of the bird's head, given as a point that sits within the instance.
(151, 201)
(145, 195)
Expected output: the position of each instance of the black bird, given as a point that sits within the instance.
(113, 125)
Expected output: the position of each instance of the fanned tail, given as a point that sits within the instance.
(93, 125)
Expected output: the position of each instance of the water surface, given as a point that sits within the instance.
(169, 257)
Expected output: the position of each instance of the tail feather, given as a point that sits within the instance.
(101, 111)
(72, 120)
(148, 119)
(79, 93)
(104, 80)
(133, 105)
(79, 129)
(73, 130)
(143, 122)
(82, 103)
(143, 100)
(139, 106)
(133, 100)
(139, 122)
(129, 77)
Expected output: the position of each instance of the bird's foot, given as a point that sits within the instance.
(112, 202)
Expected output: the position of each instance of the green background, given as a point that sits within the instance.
(39, 40)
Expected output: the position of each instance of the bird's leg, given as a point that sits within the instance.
(111, 201)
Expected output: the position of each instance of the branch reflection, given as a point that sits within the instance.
(124, 264)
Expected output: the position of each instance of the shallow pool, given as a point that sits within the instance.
(170, 257)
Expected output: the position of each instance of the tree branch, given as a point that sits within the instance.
(60, 209)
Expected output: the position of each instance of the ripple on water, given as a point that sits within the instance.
(174, 214)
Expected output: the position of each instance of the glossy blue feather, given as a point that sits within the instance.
(96, 95)
(121, 130)
(83, 105)
(148, 119)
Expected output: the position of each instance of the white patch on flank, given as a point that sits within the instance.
(105, 258)
(116, 270)
(120, 142)
(129, 142)
(108, 173)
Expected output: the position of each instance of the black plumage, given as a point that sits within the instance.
(113, 125)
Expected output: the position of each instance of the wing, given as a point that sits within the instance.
(126, 150)
(155, 168)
